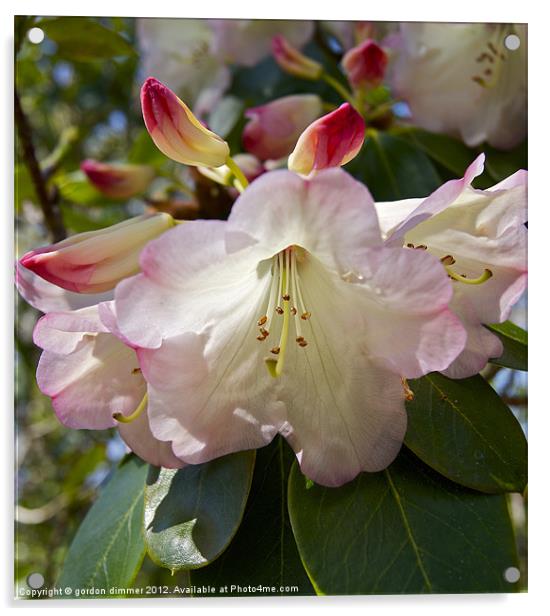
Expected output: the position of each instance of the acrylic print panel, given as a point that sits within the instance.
(270, 334)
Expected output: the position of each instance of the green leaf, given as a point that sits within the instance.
(191, 514)
(447, 151)
(76, 188)
(501, 164)
(514, 339)
(263, 550)
(24, 188)
(108, 548)
(144, 151)
(404, 530)
(81, 38)
(463, 430)
(393, 169)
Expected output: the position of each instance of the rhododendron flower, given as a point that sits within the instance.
(365, 65)
(274, 128)
(330, 141)
(292, 317)
(294, 62)
(116, 180)
(95, 261)
(93, 377)
(481, 238)
(181, 52)
(247, 41)
(176, 131)
(460, 79)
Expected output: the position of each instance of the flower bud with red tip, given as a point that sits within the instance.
(116, 180)
(365, 65)
(177, 133)
(294, 62)
(96, 261)
(274, 128)
(330, 141)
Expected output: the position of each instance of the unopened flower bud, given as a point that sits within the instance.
(96, 261)
(274, 128)
(116, 180)
(294, 62)
(330, 141)
(365, 65)
(176, 131)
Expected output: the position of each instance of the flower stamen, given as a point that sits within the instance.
(133, 416)
(487, 273)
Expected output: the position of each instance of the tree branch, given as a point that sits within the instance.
(46, 198)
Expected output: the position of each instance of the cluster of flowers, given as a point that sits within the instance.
(303, 314)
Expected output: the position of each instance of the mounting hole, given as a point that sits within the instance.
(512, 42)
(511, 575)
(35, 35)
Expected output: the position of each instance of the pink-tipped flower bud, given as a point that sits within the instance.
(116, 180)
(274, 128)
(176, 131)
(331, 141)
(365, 65)
(96, 261)
(294, 62)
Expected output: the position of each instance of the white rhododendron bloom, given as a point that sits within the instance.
(292, 317)
(481, 238)
(93, 377)
(461, 79)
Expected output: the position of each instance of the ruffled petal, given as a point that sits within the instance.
(331, 216)
(139, 438)
(88, 372)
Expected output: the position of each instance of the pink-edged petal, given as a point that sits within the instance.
(481, 344)
(345, 414)
(331, 215)
(86, 371)
(139, 438)
(188, 283)
(440, 199)
(211, 394)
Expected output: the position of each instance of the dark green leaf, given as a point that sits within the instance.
(501, 164)
(263, 551)
(393, 169)
(447, 151)
(463, 430)
(81, 38)
(108, 547)
(514, 339)
(404, 530)
(192, 514)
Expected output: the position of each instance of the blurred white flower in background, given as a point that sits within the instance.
(192, 55)
(461, 79)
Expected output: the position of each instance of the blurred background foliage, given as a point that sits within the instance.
(79, 91)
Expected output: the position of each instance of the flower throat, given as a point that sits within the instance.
(285, 301)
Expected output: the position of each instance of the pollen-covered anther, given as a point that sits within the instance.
(293, 311)
(448, 260)
(262, 320)
(421, 247)
(264, 332)
(409, 393)
(279, 310)
(286, 297)
(305, 315)
(276, 350)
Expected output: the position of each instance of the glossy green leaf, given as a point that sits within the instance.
(82, 38)
(263, 551)
(404, 530)
(108, 548)
(393, 169)
(514, 339)
(192, 514)
(463, 429)
(447, 151)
